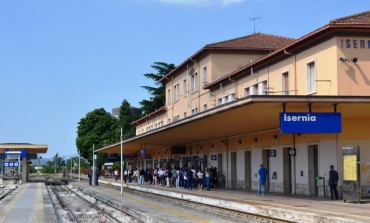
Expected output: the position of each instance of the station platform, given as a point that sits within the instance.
(288, 207)
(29, 204)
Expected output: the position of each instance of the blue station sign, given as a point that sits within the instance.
(311, 122)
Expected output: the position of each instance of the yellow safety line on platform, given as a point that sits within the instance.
(4, 212)
(164, 209)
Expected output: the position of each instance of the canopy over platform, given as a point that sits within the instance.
(31, 149)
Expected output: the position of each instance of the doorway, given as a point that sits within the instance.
(287, 171)
(233, 170)
(266, 164)
(313, 170)
(247, 170)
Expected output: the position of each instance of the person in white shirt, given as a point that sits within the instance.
(200, 179)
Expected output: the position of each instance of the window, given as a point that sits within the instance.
(204, 76)
(225, 99)
(247, 91)
(185, 88)
(168, 96)
(159, 124)
(254, 89)
(262, 88)
(311, 78)
(177, 117)
(176, 92)
(204, 107)
(194, 82)
(231, 97)
(285, 83)
(184, 114)
(194, 111)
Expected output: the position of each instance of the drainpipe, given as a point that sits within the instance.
(187, 85)
(227, 162)
(295, 70)
(172, 98)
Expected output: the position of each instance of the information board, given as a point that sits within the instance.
(351, 187)
(350, 167)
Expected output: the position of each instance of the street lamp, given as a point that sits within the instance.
(93, 176)
(121, 163)
(79, 166)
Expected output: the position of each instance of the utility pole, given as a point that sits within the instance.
(121, 162)
(71, 166)
(254, 22)
(55, 163)
(94, 171)
(79, 166)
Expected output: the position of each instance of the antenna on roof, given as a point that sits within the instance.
(254, 22)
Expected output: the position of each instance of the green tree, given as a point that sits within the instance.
(158, 94)
(125, 119)
(97, 128)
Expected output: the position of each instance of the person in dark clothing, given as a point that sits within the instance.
(190, 175)
(97, 174)
(333, 181)
(89, 175)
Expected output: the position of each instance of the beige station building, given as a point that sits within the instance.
(224, 104)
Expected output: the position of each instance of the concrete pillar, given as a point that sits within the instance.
(24, 170)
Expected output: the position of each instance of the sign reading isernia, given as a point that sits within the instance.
(310, 122)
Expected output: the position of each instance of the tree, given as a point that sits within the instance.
(125, 119)
(97, 128)
(158, 94)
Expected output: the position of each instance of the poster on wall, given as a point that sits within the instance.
(350, 167)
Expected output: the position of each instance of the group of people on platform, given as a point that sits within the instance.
(186, 177)
(191, 178)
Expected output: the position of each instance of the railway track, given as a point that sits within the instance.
(6, 190)
(229, 213)
(239, 215)
(74, 206)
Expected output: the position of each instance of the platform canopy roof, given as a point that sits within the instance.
(247, 115)
(30, 148)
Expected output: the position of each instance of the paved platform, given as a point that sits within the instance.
(30, 204)
(294, 208)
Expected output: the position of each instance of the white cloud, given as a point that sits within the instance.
(201, 2)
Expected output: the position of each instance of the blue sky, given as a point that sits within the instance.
(60, 59)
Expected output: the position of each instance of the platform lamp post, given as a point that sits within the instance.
(93, 176)
(121, 163)
(71, 165)
(79, 166)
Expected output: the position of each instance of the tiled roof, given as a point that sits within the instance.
(359, 18)
(360, 21)
(254, 41)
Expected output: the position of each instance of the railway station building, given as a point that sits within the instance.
(293, 105)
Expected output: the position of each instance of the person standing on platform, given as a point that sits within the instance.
(115, 174)
(89, 175)
(208, 175)
(333, 181)
(262, 172)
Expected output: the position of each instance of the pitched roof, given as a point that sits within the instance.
(359, 18)
(264, 43)
(355, 23)
(254, 41)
